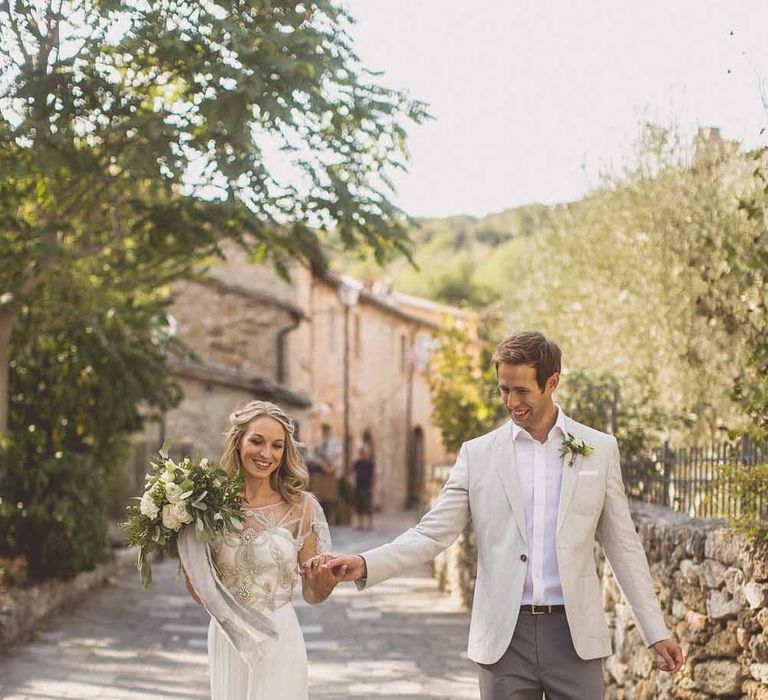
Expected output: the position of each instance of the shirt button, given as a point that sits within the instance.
(523, 557)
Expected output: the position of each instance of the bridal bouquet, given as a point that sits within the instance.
(194, 493)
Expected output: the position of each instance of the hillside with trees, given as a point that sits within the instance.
(450, 255)
(654, 285)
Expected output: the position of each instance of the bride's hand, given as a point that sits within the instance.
(313, 569)
(319, 581)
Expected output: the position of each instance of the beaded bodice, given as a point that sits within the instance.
(259, 564)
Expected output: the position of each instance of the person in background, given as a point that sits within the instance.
(326, 485)
(364, 471)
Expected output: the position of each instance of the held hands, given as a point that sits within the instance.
(318, 580)
(349, 567)
(339, 568)
(670, 651)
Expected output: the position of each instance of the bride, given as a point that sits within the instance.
(284, 527)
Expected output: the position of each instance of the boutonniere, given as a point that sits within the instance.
(573, 446)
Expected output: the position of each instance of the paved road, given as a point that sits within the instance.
(402, 639)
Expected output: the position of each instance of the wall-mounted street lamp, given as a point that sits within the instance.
(349, 294)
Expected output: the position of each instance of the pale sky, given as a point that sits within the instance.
(533, 99)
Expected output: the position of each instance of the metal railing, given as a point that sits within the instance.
(691, 480)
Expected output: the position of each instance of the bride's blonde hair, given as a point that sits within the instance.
(290, 479)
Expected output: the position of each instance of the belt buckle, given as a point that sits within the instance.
(542, 611)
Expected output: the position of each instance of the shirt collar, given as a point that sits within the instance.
(559, 424)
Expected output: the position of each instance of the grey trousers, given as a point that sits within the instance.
(541, 659)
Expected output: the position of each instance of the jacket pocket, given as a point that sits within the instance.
(588, 498)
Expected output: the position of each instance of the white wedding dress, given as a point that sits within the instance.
(259, 566)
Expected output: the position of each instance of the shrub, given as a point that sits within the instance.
(13, 572)
(54, 513)
(83, 359)
(747, 487)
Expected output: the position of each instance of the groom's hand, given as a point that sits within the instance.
(348, 568)
(670, 651)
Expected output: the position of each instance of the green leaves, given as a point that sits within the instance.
(184, 82)
(655, 284)
(127, 156)
(746, 489)
(139, 146)
(61, 527)
(215, 498)
(145, 571)
(463, 387)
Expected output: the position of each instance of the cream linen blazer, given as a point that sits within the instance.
(483, 484)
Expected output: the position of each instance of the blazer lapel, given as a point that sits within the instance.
(504, 463)
(570, 476)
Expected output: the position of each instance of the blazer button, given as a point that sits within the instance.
(523, 557)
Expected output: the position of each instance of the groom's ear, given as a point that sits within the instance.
(553, 381)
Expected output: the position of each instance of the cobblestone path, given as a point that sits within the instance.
(402, 639)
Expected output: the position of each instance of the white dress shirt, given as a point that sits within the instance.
(539, 471)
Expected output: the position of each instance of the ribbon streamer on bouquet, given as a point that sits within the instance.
(245, 629)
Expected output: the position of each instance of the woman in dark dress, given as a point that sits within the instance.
(363, 469)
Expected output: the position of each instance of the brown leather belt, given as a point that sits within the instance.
(541, 609)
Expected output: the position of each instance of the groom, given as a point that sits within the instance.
(539, 490)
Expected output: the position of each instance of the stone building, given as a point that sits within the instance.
(250, 334)
(389, 404)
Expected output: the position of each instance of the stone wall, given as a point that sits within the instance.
(22, 610)
(226, 328)
(713, 589)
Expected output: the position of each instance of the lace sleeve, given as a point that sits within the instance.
(313, 520)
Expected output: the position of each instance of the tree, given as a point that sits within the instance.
(735, 270)
(610, 278)
(155, 130)
(463, 384)
(77, 380)
(136, 138)
(596, 401)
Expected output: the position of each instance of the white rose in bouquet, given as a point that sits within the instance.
(170, 516)
(175, 515)
(166, 477)
(148, 507)
(182, 514)
(173, 492)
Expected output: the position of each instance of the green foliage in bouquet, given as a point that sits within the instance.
(195, 493)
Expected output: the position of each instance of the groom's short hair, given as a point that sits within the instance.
(529, 348)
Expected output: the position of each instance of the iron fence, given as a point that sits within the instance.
(691, 479)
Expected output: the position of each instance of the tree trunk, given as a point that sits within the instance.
(6, 326)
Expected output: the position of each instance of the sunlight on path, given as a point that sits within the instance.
(403, 639)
